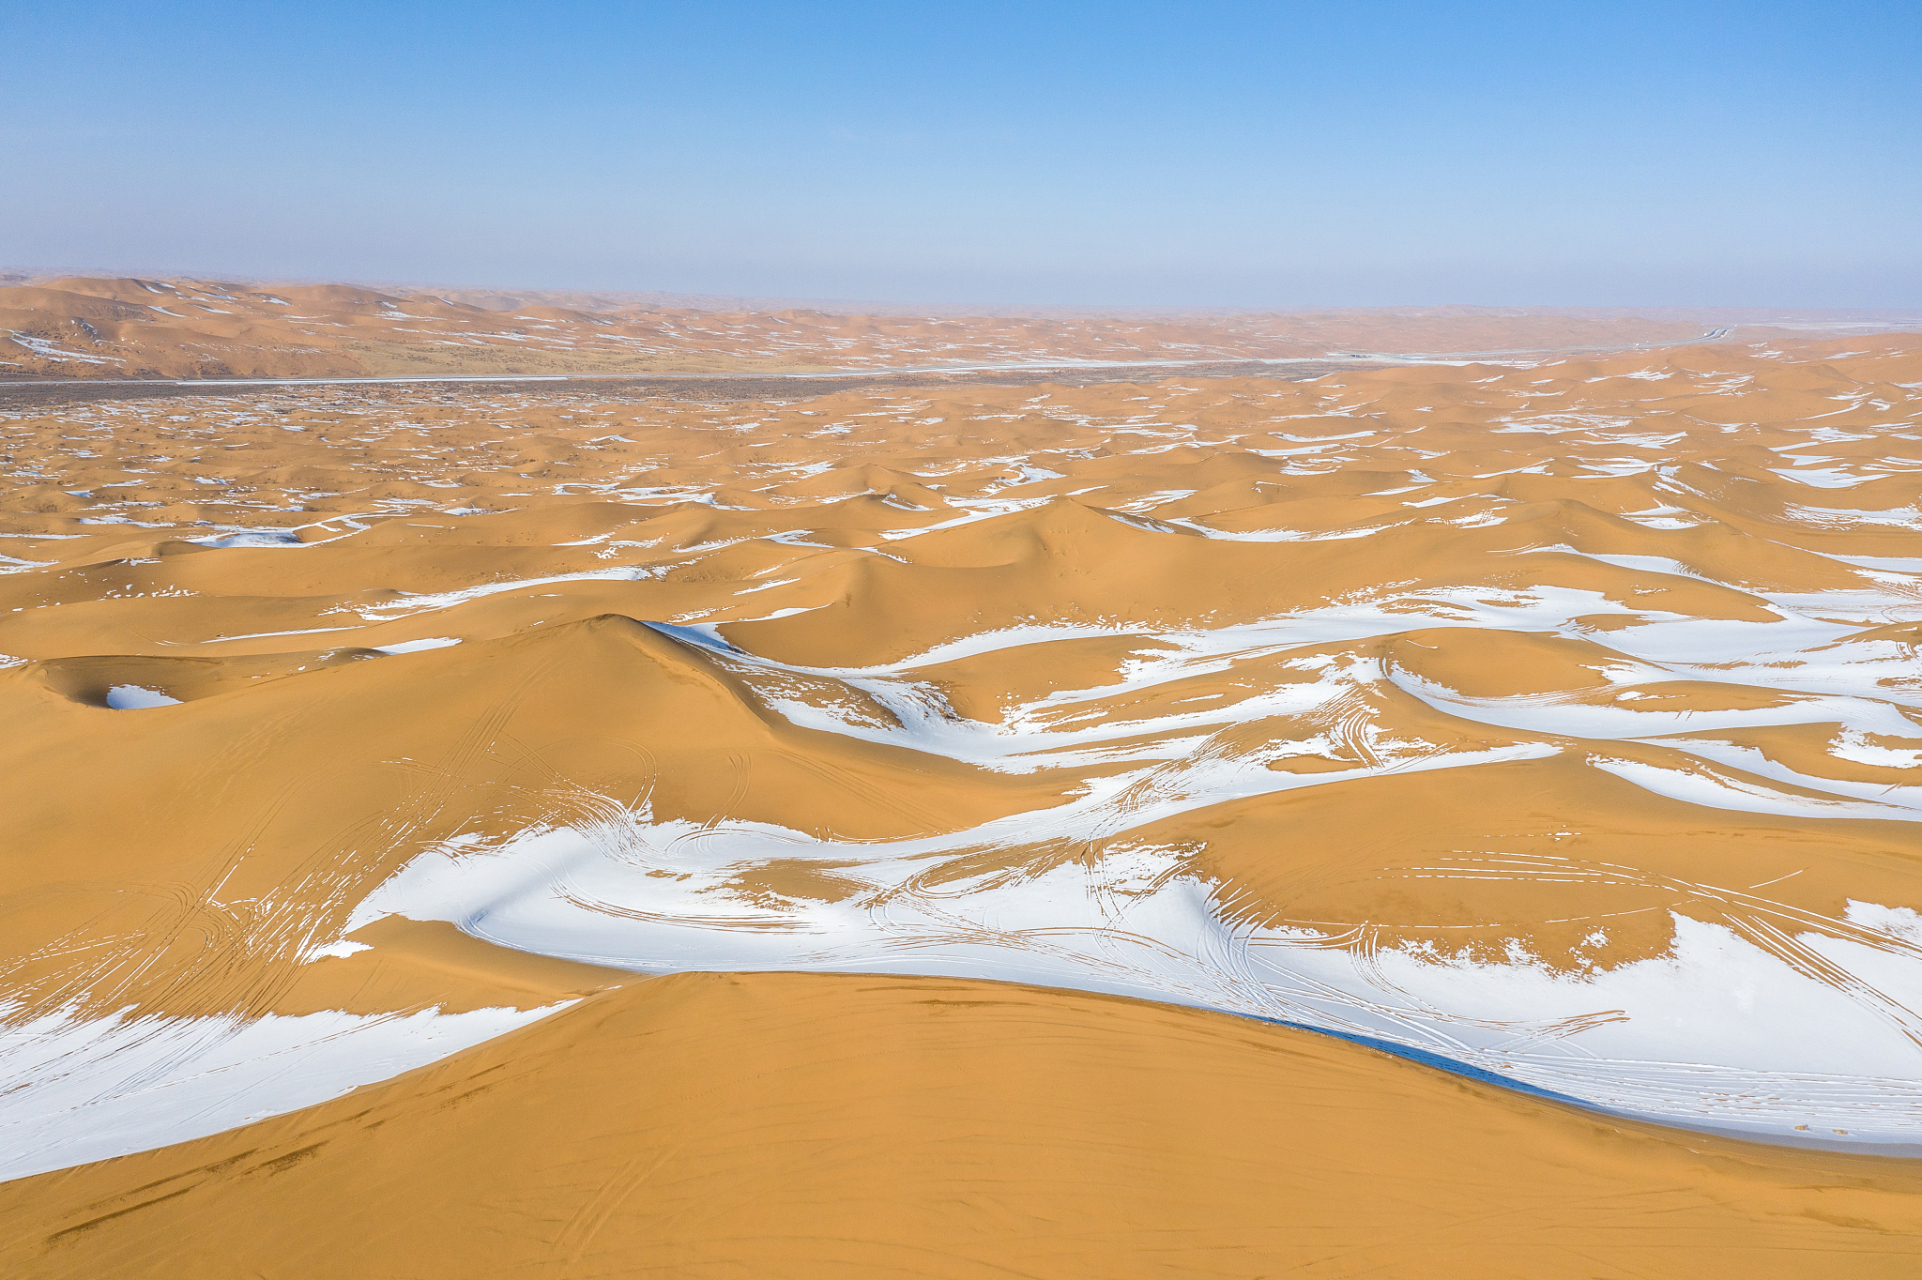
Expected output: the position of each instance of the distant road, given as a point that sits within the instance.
(24, 395)
(1015, 366)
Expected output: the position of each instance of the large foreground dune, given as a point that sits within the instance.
(1454, 819)
(802, 1125)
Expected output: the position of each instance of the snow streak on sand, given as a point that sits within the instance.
(1063, 897)
(81, 1089)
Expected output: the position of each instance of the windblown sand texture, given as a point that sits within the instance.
(129, 328)
(1453, 820)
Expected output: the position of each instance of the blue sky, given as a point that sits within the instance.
(1120, 153)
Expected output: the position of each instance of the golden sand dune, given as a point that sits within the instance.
(801, 1125)
(1553, 723)
(134, 328)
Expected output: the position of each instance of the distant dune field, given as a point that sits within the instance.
(129, 328)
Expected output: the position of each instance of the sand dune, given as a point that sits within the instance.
(803, 1125)
(1033, 751)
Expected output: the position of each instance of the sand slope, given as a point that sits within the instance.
(801, 1126)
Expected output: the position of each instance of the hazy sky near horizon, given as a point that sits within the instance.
(1116, 153)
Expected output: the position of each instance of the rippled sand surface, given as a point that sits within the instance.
(1455, 817)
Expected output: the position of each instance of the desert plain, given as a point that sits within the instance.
(1352, 794)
